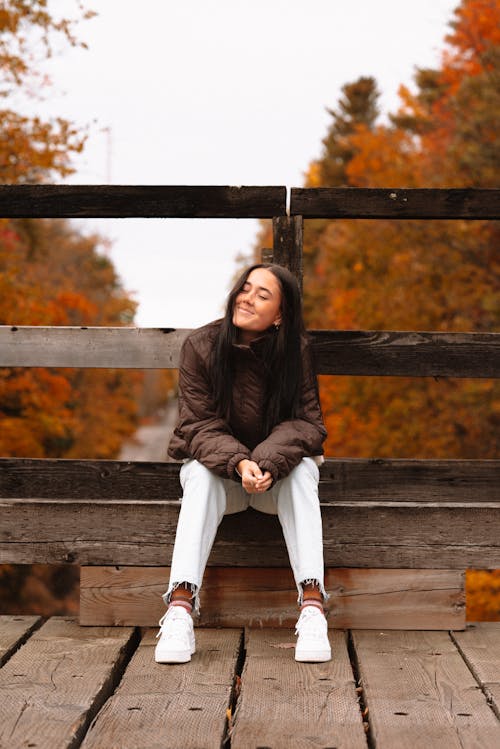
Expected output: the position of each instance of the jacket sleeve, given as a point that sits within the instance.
(206, 436)
(294, 439)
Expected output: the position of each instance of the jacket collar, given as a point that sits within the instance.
(256, 346)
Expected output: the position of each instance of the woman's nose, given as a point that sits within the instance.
(248, 296)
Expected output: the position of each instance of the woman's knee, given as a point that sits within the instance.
(199, 484)
(193, 470)
(306, 470)
(300, 487)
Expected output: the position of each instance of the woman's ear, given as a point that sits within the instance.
(277, 321)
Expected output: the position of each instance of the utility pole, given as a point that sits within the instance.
(109, 144)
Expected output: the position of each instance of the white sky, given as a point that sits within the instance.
(223, 92)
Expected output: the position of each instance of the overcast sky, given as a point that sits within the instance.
(223, 92)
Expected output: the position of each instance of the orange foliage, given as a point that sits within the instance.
(52, 275)
(31, 149)
(482, 589)
(416, 275)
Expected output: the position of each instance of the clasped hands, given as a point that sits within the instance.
(252, 478)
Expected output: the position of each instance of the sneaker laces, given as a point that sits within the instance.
(312, 620)
(173, 623)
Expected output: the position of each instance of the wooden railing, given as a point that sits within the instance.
(411, 525)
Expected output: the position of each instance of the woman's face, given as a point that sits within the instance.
(258, 304)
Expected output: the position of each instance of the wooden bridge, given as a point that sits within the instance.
(398, 536)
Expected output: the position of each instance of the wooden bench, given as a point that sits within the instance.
(399, 534)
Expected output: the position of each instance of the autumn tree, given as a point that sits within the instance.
(51, 274)
(31, 149)
(412, 274)
(418, 275)
(357, 106)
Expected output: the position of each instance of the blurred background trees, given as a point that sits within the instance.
(412, 275)
(52, 274)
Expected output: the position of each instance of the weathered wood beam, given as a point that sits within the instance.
(286, 705)
(14, 631)
(135, 201)
(373, 203)
(341, 480)
(266, 597)
(53, 687)
(171, 707)
(104, 347)
(340, 352)
(363, 534)
(419, 692)
(288, 232)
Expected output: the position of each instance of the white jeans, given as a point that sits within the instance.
(207, 498)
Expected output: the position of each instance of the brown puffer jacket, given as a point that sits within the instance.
(220, 445)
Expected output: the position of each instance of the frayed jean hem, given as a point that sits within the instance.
(195, 594)
(311, 581)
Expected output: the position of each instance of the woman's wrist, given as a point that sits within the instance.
(240, 466)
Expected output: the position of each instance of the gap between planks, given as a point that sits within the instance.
(422, 691)
(479, 646)
(458, 670)
(14, 631)
(53, 685)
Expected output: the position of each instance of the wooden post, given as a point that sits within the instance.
(287, 244)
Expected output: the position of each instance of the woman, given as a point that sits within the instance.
(250, 433)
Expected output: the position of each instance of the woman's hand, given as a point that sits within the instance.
(252, 478)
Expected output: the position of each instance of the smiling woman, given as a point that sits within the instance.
(250, 434)
(258, 305)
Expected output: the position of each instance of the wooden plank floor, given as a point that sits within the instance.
(67, 686)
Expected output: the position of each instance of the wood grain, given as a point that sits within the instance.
(14, 631)
(260, 597)
(420, 693)
(349, 202)
(354, 535)
(342, 480)
(168, 707)
(407, 353)
(149, 201)
(288, 234)
(396, 599)
(53, 685)
(338, 352)
(480, 647)
(289, 705)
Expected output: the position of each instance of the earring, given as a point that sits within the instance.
(276, 326)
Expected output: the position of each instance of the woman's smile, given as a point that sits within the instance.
(244, 310)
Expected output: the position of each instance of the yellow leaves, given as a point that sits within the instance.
(313, 175)
(27, 28)
(50, 275)
(383, 157)
(32, 151)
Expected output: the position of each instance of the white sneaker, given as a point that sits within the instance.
(312, 630)
(176, 644)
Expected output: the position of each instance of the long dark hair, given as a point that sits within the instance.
(281, 352)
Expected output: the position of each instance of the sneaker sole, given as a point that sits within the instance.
(313, 657)
(183, 656)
